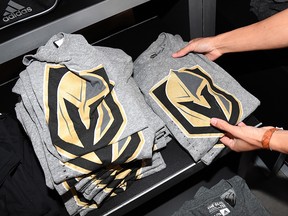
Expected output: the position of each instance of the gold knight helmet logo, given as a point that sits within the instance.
(86, 119)
(190, 98)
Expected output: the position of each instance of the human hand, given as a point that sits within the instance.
(240, 137)
(200, 45)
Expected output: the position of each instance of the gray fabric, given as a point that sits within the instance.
(36, 141)
(51, 165)
(124, 95)
(75, 205)
(96, 189)
(156, 65)
(162, 134)
(61, 171)
(41, 152)
(46, 159)
(157, 164)
(78, 55)
(23, 87)
(209, 157)
(88, 182)
(227, 197)
(65, 54)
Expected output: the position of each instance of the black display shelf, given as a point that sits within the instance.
(69, 16)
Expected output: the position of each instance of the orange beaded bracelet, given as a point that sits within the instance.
(267, 136)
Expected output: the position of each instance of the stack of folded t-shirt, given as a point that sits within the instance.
(89, 124)
(186, 92)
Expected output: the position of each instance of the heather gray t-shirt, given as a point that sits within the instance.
(186, 92)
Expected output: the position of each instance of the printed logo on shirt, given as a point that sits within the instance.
(15, 10)
(190, 98)
(218, 209)
(115, 180)
(86, 120)
(230, 197)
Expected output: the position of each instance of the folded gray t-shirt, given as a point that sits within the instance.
(186, 92)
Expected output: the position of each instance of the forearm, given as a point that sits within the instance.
(271, 33)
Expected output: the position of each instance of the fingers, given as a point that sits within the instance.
(238, 138)
(221, 124)
(227, 142)
(182, 52)
(241, 124)
(237, 145)
(235, 131)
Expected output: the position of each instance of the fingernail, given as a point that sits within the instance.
(213, 121)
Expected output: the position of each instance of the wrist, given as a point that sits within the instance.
(221, 43)
(267, 138)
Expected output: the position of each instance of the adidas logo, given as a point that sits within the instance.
(14, 10)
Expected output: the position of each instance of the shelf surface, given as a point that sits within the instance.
(68, 16)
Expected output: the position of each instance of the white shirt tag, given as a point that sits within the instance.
(59, 42)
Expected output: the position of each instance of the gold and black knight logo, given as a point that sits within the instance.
(190, 98)
(86, 119)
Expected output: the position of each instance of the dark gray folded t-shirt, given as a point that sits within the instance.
(227, 197)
